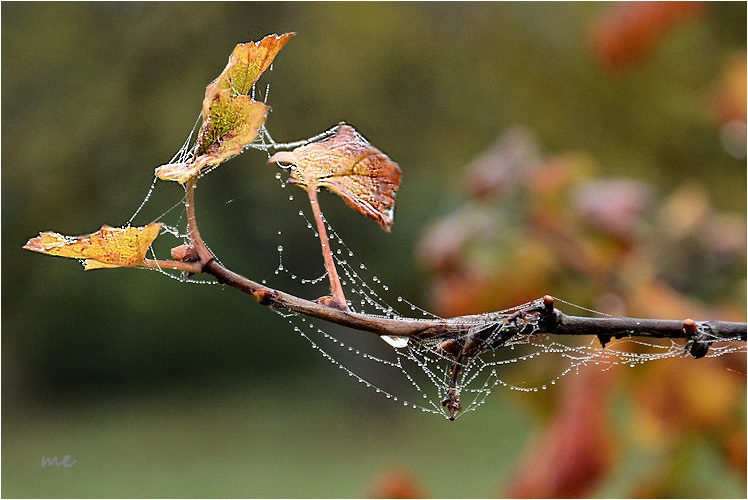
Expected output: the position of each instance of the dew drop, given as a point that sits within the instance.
(396, 342)
(280, 248)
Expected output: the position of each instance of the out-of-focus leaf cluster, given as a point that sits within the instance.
(534, 223)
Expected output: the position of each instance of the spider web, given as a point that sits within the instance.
(422, 374)
(418, 374)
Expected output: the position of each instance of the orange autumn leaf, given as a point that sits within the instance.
(108, 247)
(349, 166)
(247, 62)
(231, 117)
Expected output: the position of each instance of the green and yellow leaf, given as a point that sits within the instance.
(231, 118)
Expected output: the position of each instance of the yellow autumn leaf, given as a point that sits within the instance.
(349, 166)
(108, 247)
(231, 118)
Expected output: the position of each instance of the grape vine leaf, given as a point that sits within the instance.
(349, 166)
(106, 248)
(231, 117)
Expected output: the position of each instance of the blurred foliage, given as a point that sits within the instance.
(623, 190)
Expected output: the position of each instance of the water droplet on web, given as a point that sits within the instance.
(396, 342)
(280, 248)
(290, 197)
(362, 266)
(278, 176)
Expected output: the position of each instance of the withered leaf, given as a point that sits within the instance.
(348, 165)
(231, 118)
(108, 247)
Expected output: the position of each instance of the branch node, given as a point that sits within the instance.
(697, 345)
(185, 253)
(548, 303)
(264, 297)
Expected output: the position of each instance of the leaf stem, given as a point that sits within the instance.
(188, 267)
(195, 238)
(336, 290)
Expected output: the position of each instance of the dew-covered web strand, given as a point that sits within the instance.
(361, 295)
(184, 154)
(478, 375)
(316, 337)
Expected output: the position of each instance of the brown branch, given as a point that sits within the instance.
(550, 319)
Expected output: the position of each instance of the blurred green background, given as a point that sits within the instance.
(164, 389)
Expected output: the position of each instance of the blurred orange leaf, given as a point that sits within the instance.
(576, 450)
(231, 117)
(108, 247)
(396, 482)
(629, 30)
(349, 166)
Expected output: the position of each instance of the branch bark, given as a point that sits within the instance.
(465, 337)
(551, 320)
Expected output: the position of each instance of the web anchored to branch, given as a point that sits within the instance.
(446, 366)
(462, 356)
